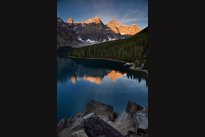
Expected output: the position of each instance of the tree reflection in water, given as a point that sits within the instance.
(94, 70)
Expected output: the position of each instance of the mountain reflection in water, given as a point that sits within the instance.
(81, 80)
(113, 75)
(93, 70)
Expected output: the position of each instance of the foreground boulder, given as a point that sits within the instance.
(102, 110)
(141, 119)
(132, 107)
(75, 127)
(124, 123)
(96, 127)
(99, 120)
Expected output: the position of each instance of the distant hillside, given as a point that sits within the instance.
(133, 49)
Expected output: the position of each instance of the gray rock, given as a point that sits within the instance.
(60, 125)
(96, 127)
(79, 133)
(65, 133)
(104, 111)
(88, 115)
(99, 120)
(124, 123)
(131, 134)
(66, 35)
(141, 118)
(74, 128)
(132, 107)
(63, 123)
(77, 124)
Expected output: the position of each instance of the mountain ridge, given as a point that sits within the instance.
(91, 31)
(123, 29)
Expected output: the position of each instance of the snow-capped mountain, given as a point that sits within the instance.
(92, 31)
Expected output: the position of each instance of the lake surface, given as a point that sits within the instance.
(82, 80)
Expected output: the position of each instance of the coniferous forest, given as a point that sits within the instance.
(133, 49)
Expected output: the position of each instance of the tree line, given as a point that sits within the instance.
(133, 49)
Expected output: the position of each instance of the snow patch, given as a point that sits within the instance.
(60, 20)
(91, 41)
(104, 40)
(110, 39)
(80, 39)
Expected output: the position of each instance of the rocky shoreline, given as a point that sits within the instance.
(100, 120)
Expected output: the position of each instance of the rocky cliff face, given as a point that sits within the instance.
(99, 120)
(91, 31)
(94, 31)
(118, 27)
(66, 35)
(114, 26)
(129, 30)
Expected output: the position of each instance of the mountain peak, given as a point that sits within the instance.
(118, 27)
(59, 19)
(115, 23)
(113, 19)
(95, 20)
(70, 20)
(97, 17)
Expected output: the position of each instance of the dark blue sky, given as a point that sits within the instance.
(125, 11)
